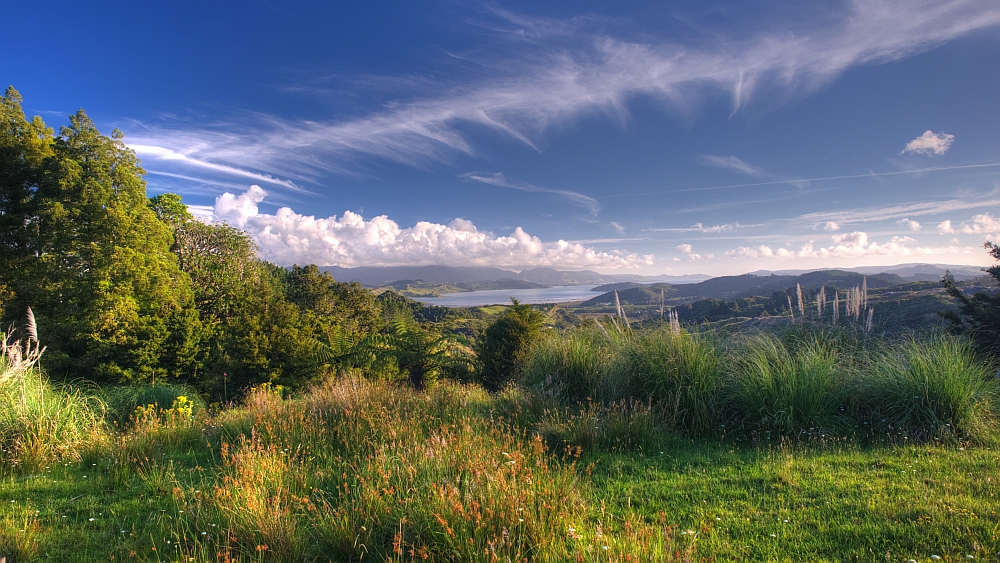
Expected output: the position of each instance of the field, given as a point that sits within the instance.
(355, 470)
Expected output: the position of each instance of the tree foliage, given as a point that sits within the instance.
(417, 354)
(127, 287)
(82, 248)
(501, 348)
(979, 313)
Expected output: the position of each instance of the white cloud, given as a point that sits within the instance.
(498, 179)
(288, 237)
(698, 228)
(982, 224)
(945, 228)
(831, 226)
(762, 251)
(618, 228)
(847, 245)
(905, 210)
(694, 256)
(909, 224)
(541, 83)
(165, 154)
(731, 163)
(201, 212)
(683, 248)
(930, 143)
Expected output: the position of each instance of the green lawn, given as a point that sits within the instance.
(814, 503)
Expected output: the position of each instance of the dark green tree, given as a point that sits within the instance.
(348, 306)
(980, 313)
(501, 349)
(88, 255)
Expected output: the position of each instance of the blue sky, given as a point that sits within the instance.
(659, 137)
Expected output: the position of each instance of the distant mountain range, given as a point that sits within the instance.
(373, 276)
(472, 278)
(734, 287)
(910, 272)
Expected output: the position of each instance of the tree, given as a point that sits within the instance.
(504, 344)
(348, 306)
(980, 313)
(81, 247)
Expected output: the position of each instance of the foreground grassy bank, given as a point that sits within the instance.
(353, 470)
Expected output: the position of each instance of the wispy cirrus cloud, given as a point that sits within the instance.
(697, 228)
(527, 92)
(498, 179)
(165, 154)
(732, 163)
(902, 211)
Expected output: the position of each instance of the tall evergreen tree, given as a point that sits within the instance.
(88, 255)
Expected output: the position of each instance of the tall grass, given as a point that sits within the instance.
(39, 421)
(576, 365)
(931, 386)
(678, 371)
(785, 389)
(122, 402)
(358, 470)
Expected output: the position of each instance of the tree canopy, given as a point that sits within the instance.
(127, 287)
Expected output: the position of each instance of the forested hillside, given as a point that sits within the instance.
(126, 288)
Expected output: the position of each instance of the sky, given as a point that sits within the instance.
(633, 137)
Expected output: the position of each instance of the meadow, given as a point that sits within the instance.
(655, 445)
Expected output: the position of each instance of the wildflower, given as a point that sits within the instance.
(91, 520)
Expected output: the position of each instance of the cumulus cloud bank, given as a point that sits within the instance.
(287, 237)
(847, 245)
(930, 143)
(984, 223)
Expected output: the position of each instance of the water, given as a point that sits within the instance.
(558, 294)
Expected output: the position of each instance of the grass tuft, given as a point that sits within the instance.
(931, 387)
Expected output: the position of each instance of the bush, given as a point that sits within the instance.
(785, 389)
(502, 348)
(930, 387)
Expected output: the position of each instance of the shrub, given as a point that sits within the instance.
(933, 386)
(502, 347)
(785, 389)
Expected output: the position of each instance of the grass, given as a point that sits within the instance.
(40, 421)
(573, 466)
(355, 471)
(932, 387)
(783, 389)
(816, 502)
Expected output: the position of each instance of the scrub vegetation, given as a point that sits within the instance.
(196, 403)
